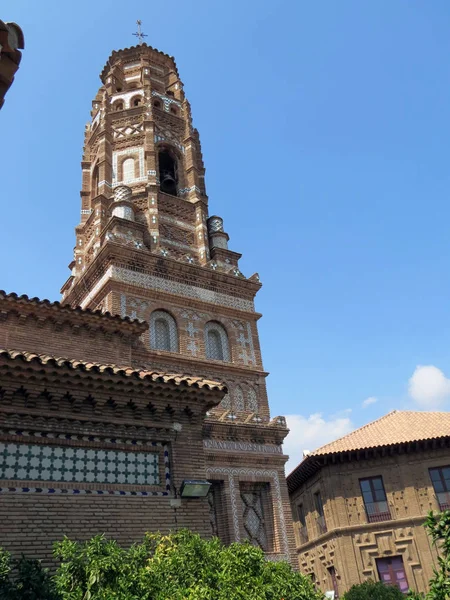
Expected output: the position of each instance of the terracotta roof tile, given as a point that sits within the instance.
(397, 427)
(143, 374)
(107, 316)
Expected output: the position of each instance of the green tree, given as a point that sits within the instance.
(179, 566)
(371, 590)
(438, 526)
(24, 579)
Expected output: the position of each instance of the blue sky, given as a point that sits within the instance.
(325, 129)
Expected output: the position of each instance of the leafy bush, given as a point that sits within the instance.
(180, 566)
(24, 579)
(371, 590)
(438, 526)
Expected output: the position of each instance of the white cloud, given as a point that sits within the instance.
(429, 387)
(309, 433)
(368, 401)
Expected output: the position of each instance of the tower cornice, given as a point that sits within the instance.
(127, 53)
(145, 262)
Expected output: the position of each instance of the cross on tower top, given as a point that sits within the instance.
(140, 36)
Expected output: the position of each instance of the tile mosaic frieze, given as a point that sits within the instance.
(50, 463)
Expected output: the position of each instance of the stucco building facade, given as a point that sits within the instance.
(359, 503)
(149, 373)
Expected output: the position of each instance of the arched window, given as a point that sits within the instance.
(173, 110)
(136, 101)
(163, 331)
(118, 105)
(168, 172)
(238, 398)
(216, 342)
(95, 182)
(156, 103)
(252, 400)
(226, 402)
(128, 169)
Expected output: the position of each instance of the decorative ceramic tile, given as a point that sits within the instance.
(252, 400)
(88, 465)
(238, 447)
(253, 516)
(144, 280)
(239, 398)
(152, 457)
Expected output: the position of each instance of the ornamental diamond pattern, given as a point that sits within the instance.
(254, 525)
(56, 463)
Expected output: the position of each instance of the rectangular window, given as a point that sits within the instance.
(333, 581)
(302, 530)
(375, 500)
(321, 524)
(440, 478)
(392, 572)
(256, 514)
(301, 515)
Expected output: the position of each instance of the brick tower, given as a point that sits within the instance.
(147, 248)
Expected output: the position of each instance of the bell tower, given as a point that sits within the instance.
(147, 248)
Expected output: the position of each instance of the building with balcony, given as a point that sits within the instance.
(359, 503)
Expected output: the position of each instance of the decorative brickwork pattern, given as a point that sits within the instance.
(163, 255)
(253, 515)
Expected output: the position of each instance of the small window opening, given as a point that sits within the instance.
(118, 106)
(168, 173)
(119, 89)
(157, 104)
(128, 169)
(95, 182)
(137, 102)
(173, 110)
(171, 94)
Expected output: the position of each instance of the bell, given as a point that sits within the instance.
(168, 178)
(168, 182)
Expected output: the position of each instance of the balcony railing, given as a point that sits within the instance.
(377, 512)
(444, 500)
(321, 525)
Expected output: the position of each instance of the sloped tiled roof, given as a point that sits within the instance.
(395, 428)
(143, 374)
(55, 305)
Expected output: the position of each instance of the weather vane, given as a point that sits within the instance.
(140, 36)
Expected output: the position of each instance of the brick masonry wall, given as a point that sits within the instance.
(351, 544)
(30, 524)
(94, 419)
(62, 338)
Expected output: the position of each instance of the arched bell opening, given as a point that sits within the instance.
(168, 172)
